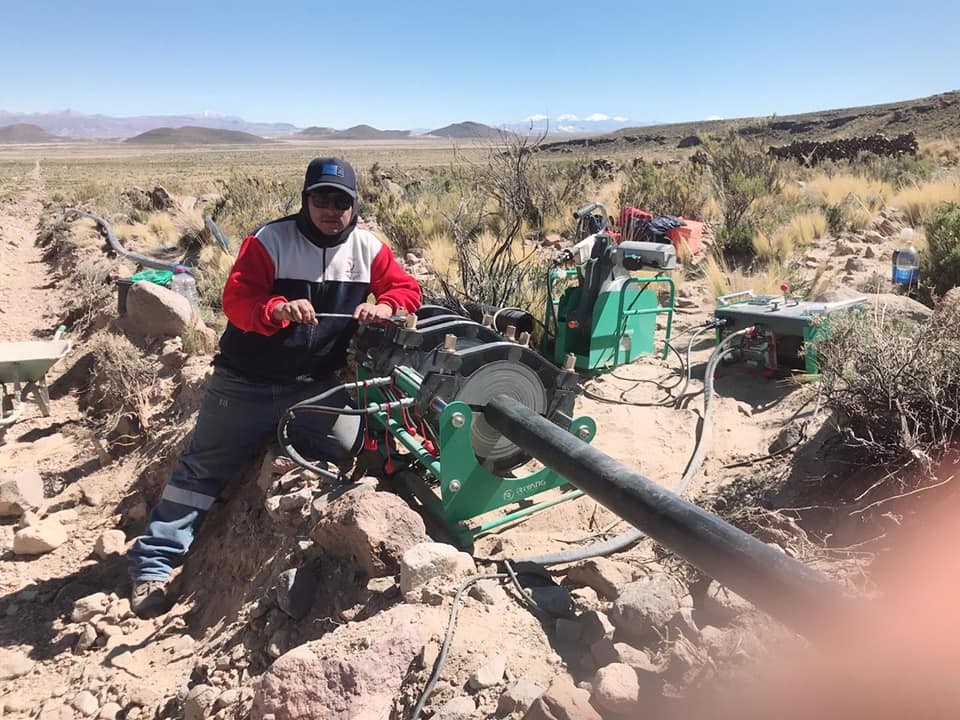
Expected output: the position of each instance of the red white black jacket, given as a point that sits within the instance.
(279, 264)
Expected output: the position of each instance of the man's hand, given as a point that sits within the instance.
(297, 311)
(368, 313)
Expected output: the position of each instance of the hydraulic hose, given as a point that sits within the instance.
(628, 538)
(144, 260)
(311, 404)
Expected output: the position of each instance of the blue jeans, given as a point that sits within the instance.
(237, 416)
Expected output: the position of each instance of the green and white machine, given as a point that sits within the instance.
(608, 316)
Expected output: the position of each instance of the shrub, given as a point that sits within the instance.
(895, 384)
(942, 269)
(741, 173)
(665, 190)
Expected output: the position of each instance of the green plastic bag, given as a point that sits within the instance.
(157, 277)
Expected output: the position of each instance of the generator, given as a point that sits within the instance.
(606, 315)
(785, 329)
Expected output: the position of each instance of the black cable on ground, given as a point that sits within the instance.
(445, 647)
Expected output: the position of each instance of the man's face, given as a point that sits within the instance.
(330, 210)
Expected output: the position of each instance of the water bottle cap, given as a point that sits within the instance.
(177, 269)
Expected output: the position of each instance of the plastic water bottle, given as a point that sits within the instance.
(906, 261)
(184, 284)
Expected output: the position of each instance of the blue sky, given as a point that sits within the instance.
(400, 65)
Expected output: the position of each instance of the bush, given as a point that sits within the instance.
(741, 174)
(942, 269)
(895, 384)
(666, 190)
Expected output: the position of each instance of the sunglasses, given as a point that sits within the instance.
(331, 200)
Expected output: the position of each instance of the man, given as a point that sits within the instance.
(279, 348)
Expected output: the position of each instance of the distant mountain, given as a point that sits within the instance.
(366, 132)
(316, 132)
(77, 125)
(21, 133)
(464, 130)
(195, 136)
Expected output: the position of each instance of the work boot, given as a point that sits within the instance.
(148, 598)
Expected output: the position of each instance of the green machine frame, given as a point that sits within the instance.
(623, 322)
(467, 490)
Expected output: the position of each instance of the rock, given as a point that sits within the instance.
(563, 701)
(110, 542)
(595, 626)
(296, 590)
(554, 600)
(869, 253)
(488, 674)
(428, 560)
(155, 311)
(721, 605)
(20, 491)
(789, 436)
(198, 701)
(91, 496)
(64, 517)
(13, 664)
(88, 607)
(109, 711)
(745, 408)
(375, 528)
(645, 604)
(355, 671)
(86, 639)
(489, 592)
(38, 539)
(17, 705)
(458, 708)
(519, 696)
(602, 574)
(616, 689)
(228, 698)
(85, 703)
(854, 264)
(905, 307)
(603, 652)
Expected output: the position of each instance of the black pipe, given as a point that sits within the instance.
(782, 586)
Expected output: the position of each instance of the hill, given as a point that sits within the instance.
(24, 133)
(191, 135)
(367, 132)
(931, 117)
(465, 130)
(316, 132)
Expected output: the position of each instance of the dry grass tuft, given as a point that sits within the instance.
(917, 202)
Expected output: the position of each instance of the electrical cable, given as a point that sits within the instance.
(445, 647)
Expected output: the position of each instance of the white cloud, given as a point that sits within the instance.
(715, 117)
(620, 118)
(596, 117)
(567, 128)
(567, 117)
(537, 118)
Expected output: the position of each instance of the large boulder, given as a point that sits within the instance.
(374, 528)
(156, 311)
(352, 673)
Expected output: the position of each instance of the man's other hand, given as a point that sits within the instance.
(297, 311)
(369, 313)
